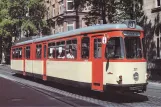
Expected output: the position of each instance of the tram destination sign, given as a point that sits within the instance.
(131, 33)
(130, 23)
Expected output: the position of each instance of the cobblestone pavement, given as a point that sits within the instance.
(152, 97)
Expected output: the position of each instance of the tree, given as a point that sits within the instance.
(105, 10)
(30, 15)
(131, 9)
(14, 19)
(114, 11)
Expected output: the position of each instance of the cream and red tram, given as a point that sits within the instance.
(101, 57)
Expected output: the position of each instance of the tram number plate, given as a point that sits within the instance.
(136, 87)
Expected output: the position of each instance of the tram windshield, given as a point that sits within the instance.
(117, 48)
(133, 47)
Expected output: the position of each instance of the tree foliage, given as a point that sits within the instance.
(114, 11)
(20, 17)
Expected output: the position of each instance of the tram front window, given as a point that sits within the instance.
(133, 47)
(114, 48)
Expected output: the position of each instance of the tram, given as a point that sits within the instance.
(101, 57)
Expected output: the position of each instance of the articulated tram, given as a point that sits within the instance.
(101, 57)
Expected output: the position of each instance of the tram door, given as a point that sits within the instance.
(44, 61)
(97, 64)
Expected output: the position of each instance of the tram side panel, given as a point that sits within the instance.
(76, 72)
(17, 65)
(28, 66)
(37, 67)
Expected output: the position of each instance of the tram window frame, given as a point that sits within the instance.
(51, 55)
(27, 52)
(38, 55)
(16, 53)
(20, 53)
(13, 53)
(45, 53)
(114, 49)
(97, 50)
(143, 47)
(136, 49)
(60, 46)
(73, 44)
(85, 48)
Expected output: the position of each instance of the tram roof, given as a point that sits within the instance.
(96, 28)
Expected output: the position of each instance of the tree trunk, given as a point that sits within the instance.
(77, 18)
(103, 12)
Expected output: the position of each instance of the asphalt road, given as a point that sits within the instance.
(16, 94)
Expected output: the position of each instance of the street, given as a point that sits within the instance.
(19, 91)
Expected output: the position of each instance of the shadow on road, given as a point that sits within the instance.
(106, 96)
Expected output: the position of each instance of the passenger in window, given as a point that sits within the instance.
(70, 53)
(61, 54)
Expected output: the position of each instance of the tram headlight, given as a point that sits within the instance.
(136, 76)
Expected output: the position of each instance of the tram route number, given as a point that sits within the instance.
(104, 40)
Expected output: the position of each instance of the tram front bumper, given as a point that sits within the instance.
(126, 87)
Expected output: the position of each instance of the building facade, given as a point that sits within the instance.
(62, 15)
(152, 26)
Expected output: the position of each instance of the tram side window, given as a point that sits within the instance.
(60, 50)
(114, 48)
(97, 48)
(38, 51)
(85, 47)
(51, 50)
(13, 53)
(44, 51)
(71, 49)
(17, 53)
(20, 53)
(27, 52)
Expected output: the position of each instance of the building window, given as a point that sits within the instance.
(69, 5)
(61, 7)
(158, 3)
(38, 51)
(70, 26)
